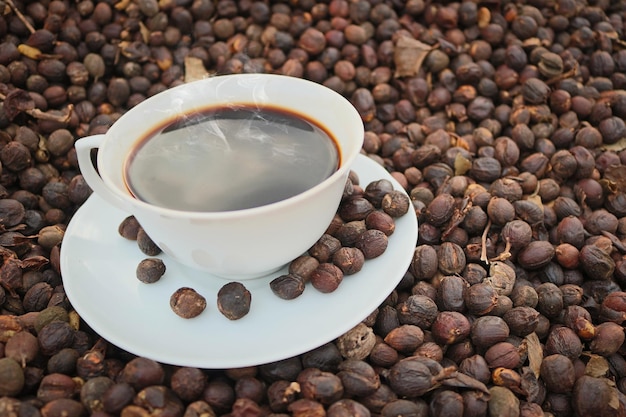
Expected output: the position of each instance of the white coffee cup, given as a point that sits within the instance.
(239, 244)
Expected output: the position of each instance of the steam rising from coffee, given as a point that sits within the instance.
(229, 158)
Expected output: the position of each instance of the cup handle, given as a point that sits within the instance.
(94, 180)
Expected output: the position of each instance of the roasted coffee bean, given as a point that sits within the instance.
(355, 208)
(55, 336)
(536, 254)
(187, 303)
(327, 245)
(596, 263)
(424, 263)
(381, 221)
(117, 396)
(146, 244)
(12, 376)
(450, 327)
(451, 293)
(349, 260)
(608, 339)
(372, 243)
(326, 277)
(480, 298)
(503, 354)
(419, 310)
(129, 228)
(233, 300)
(92, 391)
(522, 320)
(288, 286)
(550, 299)
(303, 266)
(597, 403)
(405, 338)
(413, 376)
(150, 270)
(395, 203)
(564, 341)
(321, 386)
(486, 331)
(377, 190)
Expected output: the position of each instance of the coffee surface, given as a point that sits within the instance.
(230, 158)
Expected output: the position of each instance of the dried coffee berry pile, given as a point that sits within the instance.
(359, 231)
(503, 121)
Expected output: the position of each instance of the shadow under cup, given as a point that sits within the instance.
(236, 244)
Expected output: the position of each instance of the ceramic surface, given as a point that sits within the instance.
(98, 269)
(228, 243)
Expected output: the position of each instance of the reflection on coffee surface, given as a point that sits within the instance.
(230, 158)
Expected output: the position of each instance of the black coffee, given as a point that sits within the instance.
(230, 158)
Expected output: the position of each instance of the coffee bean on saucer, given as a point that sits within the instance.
(129, 227)
(349, 260)
(150, 270)
(382, 221)
(395, 203)
(146, 244)
(233, 300)
(187, 303)
(375, 191)
(303, 266)
(326, 277)
(372, 243)
(288, 286)
(324, 248)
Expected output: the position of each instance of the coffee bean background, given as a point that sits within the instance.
(503, 120)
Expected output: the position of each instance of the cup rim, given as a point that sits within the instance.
(347, 160)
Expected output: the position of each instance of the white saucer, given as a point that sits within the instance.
(98, 268)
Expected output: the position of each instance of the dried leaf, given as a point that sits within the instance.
(29, 51)
(530, 385)
(9, 325)
(19, 239)
(460, 380)
(618, 146)
(194, 69)
(11, 275)
(614, 402)
(608, 186)
(145, 32)
(16, 102)
(457, 217)
(484, 17)
(597, 366)
(508, 378)
(615, 241)
(535, 353)
(536, 199)
(135, 50)
(34, 262)
(123, 4)
(408, 56)
(54, 115)
(74, 320)
(531, 43)
(616, 174)
(461, 164)
(20, 16)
